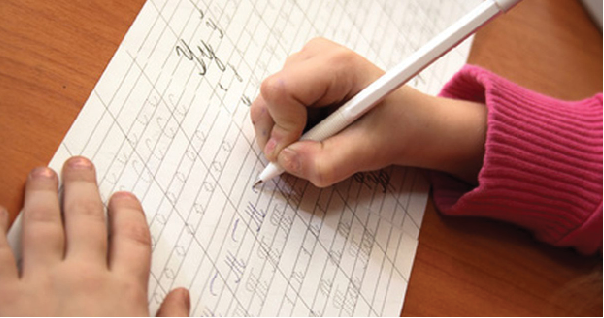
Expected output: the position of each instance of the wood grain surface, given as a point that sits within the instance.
(53, 52)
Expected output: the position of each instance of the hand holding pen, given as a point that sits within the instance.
(324, 74)
(406, 128)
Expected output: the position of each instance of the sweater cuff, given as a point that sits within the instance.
(542, 166)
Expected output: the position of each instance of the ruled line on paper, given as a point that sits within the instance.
(168, 120)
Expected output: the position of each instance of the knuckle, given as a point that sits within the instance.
(80, 274)
(322, 176)
(289, 127)
(342, 57)
(92, 209)
(270, 88)
(256, 111)
(50, 234)
(292, 58)
(42, 215)
(316, 41)
(133, 290)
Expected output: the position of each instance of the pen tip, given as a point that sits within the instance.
(257, 183)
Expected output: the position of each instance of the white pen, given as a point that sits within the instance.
(364, 100)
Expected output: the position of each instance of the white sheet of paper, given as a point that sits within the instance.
(168, 120)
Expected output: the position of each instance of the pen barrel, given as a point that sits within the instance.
(401, 73)
(329, 126)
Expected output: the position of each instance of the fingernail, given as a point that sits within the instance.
(42, 173)
(289, 160)
(270, 146)
(79, 163)
(124, 195)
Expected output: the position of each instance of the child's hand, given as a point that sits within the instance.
(408, 128)
(70, 267)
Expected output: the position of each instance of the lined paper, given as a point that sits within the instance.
(168, 120)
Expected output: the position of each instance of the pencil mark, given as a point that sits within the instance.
(212, 284)
(344, 228)
(202, 56)
(210, 23)
(256, 286)
(216, 166)
(161, 219)
(375, 178)
(315, 227)
(190, 153)
(181, 177)
(149, 135)
(153, 242)
(226, 146)
(280, 218)
(234, 230)
(346, 301)
(171, 197)
(181, 251)
(256, 216)
(246, 100)
(334, 257)
(181, 111)
(296, 279)
(158, 297)
(265, 251)
(141, 171)
(207, 186)
(169, 273)
(112, 179)
(198, 135)
(207, 312)
(201, 13)
(198, 208)
(325, 286)
(190, 228)
(237, 266)
(239, 311)
(171, 101)
(235, 73)
(122, 158)
(153, 149)
(132, 140)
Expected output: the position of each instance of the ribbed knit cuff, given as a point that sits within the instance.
(542, 166)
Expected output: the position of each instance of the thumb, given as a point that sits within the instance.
(176, 304)
(330, 161)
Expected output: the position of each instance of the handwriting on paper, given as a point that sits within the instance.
(169, 121)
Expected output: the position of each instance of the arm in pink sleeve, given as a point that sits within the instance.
(542, 165)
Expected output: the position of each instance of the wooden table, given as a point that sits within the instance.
(53, 52)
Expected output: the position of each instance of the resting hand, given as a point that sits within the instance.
(407, 128)
(69, 267)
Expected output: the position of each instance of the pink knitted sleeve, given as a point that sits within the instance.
(542, 165)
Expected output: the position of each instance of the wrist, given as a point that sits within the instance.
(443, 134)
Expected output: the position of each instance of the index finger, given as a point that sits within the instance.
(313, 82)
(85, 226)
